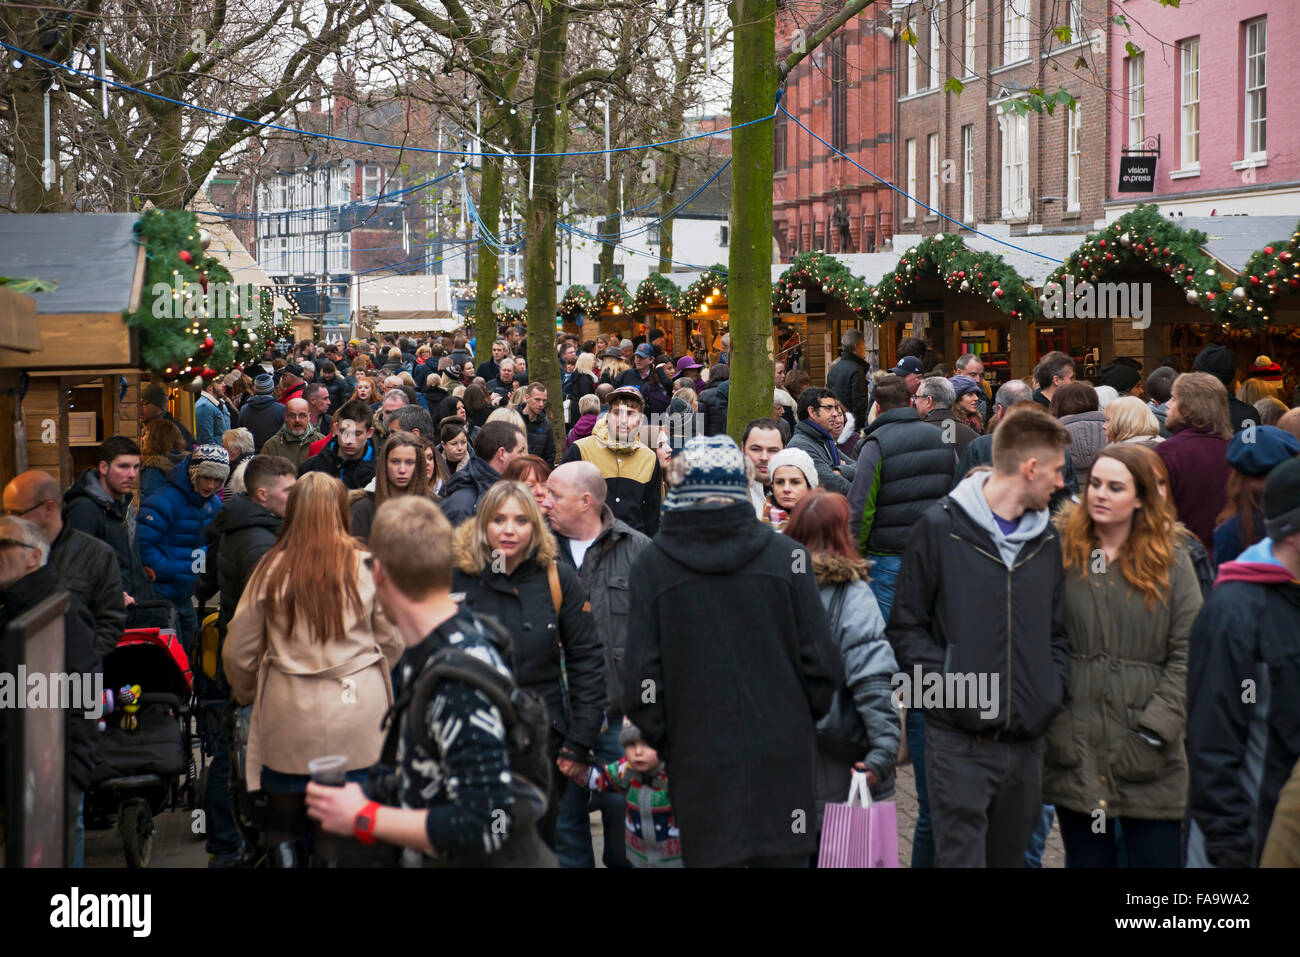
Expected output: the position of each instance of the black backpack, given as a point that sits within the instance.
(523, 712)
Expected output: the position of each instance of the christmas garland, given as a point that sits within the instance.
(657, 288)
(711, 285)
(613, 295)
(577, 298)
(960, 268)
(192, 319)
(1143, 238)
(816, 270)
(1268, 273)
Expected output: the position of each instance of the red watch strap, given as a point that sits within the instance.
(363, 826)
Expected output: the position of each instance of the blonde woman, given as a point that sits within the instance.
(510, 415)
(1130, 421)
(506, 565)
(311, 650)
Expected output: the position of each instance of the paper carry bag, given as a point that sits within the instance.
(860, 832)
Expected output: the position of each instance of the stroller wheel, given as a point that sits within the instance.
(135, 826)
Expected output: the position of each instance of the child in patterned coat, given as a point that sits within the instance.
(652, 838)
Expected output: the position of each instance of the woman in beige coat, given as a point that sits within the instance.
(1115, 762)
(310, 648)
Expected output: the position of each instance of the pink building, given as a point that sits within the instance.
(1215, 82)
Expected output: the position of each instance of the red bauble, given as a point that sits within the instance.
(209, 373)
(1210, 296)
(1254, 280)
(1272, 274)
(994, 283)
(208, 343)
(1268, 250)
(998, 293)
(184, 255)
(981, 276)
(961, 274)
(1101, 243)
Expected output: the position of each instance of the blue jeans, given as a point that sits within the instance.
(1038, 840)
(1126, 842)
(884, 576)
(923, 836)
(573, 828)
(187, 627)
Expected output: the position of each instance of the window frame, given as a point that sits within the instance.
(932, 144)
(969, 35)
(968, 173)
(935, 49)
(1190, 45)
(1252, 149)
(1073, 157)
(1137, 121)
(911, 179)
(1015, 32)
(1014, 165)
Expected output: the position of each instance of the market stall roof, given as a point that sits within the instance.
(410, 299)
(1232, 240)
(419, 324)
(230, 252)
(94, 257)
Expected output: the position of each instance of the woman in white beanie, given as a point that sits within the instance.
(793, 476)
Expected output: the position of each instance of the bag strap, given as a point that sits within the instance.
(557, 594)
(836, 609)
(456, 665)
(859, 788)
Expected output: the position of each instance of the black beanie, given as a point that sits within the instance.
(1219, 362)
(1281, 501)
(1119, 376)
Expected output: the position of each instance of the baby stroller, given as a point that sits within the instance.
(145, 760)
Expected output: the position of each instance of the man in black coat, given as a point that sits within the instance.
(733, 712)
(100, 503)
(714, 400)
(336, 384)
(25, 581)
(86, 566)
(244, 530)
(350, 454)
(541, 437)
(849, 375)
(990, 540)
(496, 446)
(261, 414)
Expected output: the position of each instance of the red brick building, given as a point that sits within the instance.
(844, 92)
(962, 153)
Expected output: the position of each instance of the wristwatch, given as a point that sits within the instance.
(363, 827)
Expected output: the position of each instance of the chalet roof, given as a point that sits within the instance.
(94, 257)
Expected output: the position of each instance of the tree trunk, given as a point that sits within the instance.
(749, 280)
(539, 251)
(668, 200)
(611, 228)
(489, 210)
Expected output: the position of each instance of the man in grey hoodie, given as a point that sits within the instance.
(990, 684)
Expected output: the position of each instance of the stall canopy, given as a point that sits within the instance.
(230, 252)
(417, 303)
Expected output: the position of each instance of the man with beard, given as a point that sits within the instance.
(293, 441)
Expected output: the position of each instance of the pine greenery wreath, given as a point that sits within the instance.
(962, 269)
(1269, 273)
(711, 285)
(190, 319)
(815, 270)
(657, 288)
(577, 298)
(1144, 239)
(613, 295)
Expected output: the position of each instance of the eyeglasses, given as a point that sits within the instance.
(827, 408)
(20, 512)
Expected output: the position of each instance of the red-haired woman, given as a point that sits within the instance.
(1131, 596)
(311, 650)
(820, 522)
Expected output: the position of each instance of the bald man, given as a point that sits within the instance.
(87, 567)
(603, 549)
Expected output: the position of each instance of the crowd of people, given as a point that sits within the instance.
(1066, 601)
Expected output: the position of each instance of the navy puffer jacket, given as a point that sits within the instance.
(171, 533)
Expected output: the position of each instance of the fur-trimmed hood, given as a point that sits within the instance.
(838, 570)
(464, 559)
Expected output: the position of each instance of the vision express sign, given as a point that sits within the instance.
(1137, 174)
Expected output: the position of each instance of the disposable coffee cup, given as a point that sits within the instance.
(331, 770)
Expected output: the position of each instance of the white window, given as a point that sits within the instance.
(1137, 110)
(1074, 158)
(1015, 30)
(934, 172)
(911, 60)
(371, 177)
(1256, 103)
(934, 47)
(1015, 164)
(911, 179)
(1075, 19)
(968, 173)
(1189, 113)
(968, 41)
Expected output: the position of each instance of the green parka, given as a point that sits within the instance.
(1128, 670)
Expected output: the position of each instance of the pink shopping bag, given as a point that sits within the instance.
(860, 832)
